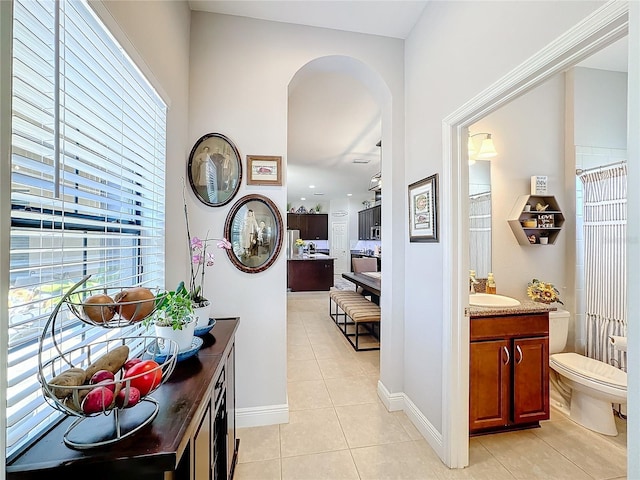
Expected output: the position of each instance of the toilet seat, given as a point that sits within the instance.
(590, 370)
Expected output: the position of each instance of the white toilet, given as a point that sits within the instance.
(590, 386)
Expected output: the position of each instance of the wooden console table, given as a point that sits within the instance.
(192, 438)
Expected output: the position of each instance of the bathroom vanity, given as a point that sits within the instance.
(508, 367)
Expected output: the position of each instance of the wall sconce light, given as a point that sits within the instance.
(487, 149)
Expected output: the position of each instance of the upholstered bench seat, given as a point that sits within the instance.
(354, 310)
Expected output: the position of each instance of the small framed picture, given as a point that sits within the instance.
(423, 210)
(264, 170)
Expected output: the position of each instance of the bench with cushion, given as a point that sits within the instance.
(354, 310)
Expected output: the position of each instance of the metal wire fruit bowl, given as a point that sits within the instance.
(112, 310)
(68, 366)
(75, 399)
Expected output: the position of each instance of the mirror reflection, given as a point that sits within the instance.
(254, 228)
(480, 217)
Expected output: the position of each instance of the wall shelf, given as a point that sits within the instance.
(543, 223)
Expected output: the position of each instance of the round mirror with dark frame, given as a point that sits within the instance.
(254, 228)
(214, 169)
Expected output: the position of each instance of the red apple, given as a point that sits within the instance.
(130, 363)
(101, 376)
(134, 397)
(97, 400)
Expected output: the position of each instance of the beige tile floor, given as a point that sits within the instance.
(339, 429)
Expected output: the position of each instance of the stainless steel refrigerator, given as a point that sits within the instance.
(292, 236)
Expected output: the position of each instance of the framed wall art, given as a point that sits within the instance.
(423, 210)
(254, 228)
(214, 169)
(264, 170)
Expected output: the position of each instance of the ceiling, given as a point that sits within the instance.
(390, 18)
(334, 123)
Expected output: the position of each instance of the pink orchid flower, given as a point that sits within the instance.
(224, 243)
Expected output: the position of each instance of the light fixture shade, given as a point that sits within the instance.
(471, 147)
(487, 149)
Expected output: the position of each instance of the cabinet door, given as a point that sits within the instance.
(489, 384)
(317, 227)
(293, 221)
(530, 379)
(376, 213)
(231, 412)
(202, 460)
(361, 225)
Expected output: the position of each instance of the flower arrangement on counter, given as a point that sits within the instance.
(200, 259)
(543, 292)
(300, 242)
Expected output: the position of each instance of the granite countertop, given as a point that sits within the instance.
(526, 307)
(313, 256)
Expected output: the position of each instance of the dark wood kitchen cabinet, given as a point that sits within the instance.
(312, 226)
(192, 437)
(368, 219)
(508, 372)
(307, 275)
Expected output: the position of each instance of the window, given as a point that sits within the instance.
(87, 187)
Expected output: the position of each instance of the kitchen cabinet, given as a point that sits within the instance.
(309, 274)
(367, 219)
(508, 372)
(312, 226)
(192, 437)
(530, 226)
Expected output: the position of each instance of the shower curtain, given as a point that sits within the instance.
(480, 234)
(605, 225)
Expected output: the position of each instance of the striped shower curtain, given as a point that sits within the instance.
(605, 227)
(480, 234)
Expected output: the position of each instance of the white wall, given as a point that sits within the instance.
(240, 71)
(456, 50)
(529, 135)
(600, 102)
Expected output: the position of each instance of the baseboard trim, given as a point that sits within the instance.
(261, 416)
(393, 401)
(399, 401)
(426, 428)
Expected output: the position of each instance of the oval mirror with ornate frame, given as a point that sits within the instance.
(214, 169)
(254, 228)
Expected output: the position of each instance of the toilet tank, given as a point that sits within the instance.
(558, 330)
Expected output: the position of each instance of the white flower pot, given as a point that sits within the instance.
(184, 337)
(201, 315)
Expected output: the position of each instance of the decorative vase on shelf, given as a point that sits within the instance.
(201, 313)
(300, 251)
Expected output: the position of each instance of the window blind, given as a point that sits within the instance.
(87, 187)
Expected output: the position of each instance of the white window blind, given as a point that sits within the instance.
(87, 186)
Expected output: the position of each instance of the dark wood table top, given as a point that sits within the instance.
(155, 448)
(367, 282)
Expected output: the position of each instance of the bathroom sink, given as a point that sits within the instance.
(492, 300)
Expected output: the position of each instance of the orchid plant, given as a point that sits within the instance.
(200, 259)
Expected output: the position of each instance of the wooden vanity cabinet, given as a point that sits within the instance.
(508, 372)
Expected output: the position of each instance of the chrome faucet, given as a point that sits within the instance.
(472, 281)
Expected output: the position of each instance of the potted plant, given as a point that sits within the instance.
(200, 259)
(300, 244)
(173, 318)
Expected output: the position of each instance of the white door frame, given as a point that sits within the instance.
(604, 26)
